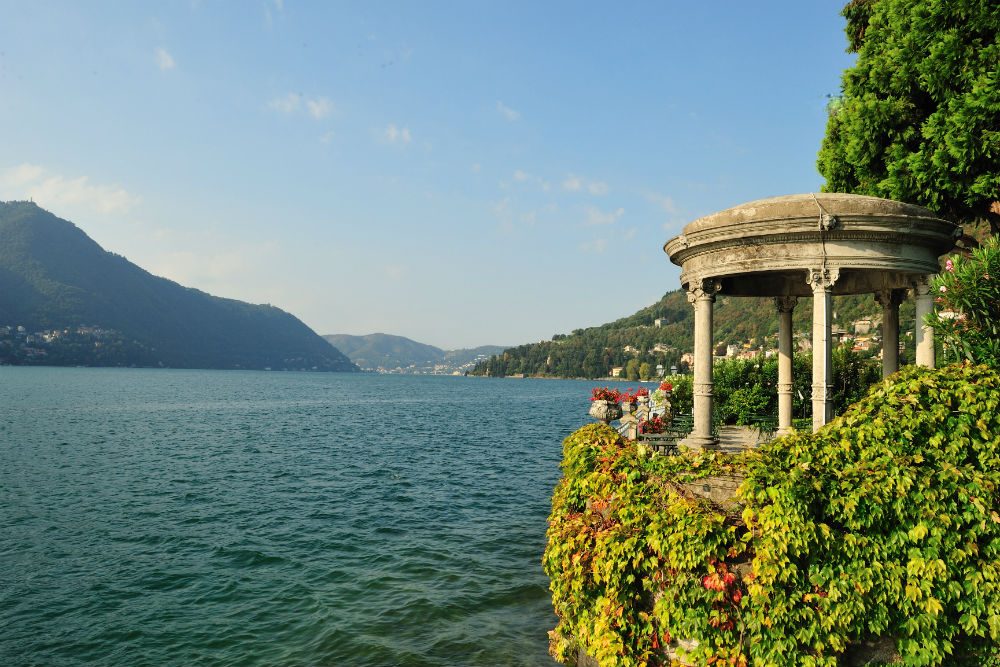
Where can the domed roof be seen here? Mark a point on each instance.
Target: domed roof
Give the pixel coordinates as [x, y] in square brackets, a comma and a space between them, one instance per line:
[808, 206]
[764, 247]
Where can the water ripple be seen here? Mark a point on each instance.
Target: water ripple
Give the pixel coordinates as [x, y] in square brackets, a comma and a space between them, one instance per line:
[243, 519]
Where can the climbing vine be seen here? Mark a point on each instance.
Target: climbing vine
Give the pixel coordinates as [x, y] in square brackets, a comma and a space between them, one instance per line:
[886, 523]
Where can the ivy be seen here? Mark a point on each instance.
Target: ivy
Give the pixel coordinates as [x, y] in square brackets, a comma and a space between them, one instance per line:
[885, 523]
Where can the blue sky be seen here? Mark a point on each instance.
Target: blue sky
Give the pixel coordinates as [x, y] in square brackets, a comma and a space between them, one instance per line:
[461, 173]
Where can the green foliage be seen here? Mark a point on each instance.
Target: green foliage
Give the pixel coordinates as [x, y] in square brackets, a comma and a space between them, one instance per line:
[746, 389]
[970, 288]
[853, 376]
[884, 523]
[593, 352]
[682, 395]
[627, 551]
[917, 119]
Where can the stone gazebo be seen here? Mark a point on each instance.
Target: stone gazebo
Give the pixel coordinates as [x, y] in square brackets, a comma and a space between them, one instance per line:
[816, 245]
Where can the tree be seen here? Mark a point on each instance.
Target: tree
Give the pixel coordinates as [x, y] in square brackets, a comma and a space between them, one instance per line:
[919, 115]
[632, 369]
[645, 371]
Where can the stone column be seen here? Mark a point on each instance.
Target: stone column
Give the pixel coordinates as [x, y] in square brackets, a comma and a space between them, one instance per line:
[785, 305]
[822, 281]
[702, 296]
[924, 335]
[890, 300]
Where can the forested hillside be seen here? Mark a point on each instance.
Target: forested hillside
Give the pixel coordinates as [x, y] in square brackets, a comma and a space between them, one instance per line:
[66, 300]
[593, 352]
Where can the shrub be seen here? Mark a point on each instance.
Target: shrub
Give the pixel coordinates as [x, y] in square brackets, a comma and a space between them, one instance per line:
[884, 523]
[968, 297]
[681, 397]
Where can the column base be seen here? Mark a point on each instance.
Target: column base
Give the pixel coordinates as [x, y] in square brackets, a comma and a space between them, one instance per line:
[700, 442]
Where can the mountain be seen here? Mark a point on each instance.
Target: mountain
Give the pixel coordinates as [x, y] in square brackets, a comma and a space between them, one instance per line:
[594, 351]
[65, 300]
[384, 352]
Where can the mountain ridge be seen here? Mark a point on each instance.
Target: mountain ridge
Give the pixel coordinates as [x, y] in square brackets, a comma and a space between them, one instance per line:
[390, 352]
[55, 278]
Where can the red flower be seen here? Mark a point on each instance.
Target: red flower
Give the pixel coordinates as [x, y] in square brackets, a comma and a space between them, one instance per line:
[605, 394]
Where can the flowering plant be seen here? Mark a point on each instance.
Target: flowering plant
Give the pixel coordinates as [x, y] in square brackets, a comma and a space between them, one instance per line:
[605, 394]
[666, 386]
[653, 425]
[641, 391]
[628, 396]
[968, 294]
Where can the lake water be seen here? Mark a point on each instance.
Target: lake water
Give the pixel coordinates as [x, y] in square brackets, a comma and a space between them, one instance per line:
[166, 517]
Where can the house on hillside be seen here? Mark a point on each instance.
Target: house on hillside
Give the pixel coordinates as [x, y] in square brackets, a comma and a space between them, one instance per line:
[617, 371]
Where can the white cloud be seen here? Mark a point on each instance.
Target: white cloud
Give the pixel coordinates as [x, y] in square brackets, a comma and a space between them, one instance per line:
[508, 113]
[596, 216]
[216, 271]
[394, 134]
[319, 107]
[574, 183]
[327, 137]
[664, 202]
[597, 188]
[522, 176]
[597, 246]
[286, 104]
[21, 175]
[57, 192]
[164, 60]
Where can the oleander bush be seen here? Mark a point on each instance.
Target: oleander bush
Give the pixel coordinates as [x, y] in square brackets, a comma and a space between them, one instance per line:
[886, 523]
[967, 292]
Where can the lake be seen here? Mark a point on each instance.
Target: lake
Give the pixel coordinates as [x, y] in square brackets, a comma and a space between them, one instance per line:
[175, 517]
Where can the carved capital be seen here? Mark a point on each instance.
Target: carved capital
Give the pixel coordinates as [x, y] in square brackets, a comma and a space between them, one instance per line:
[703, 290]
[890, 298]
[822, 392]
[823, 280]
[702, 389]
[785, 304]
[921, 286]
